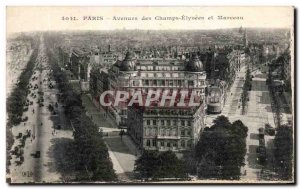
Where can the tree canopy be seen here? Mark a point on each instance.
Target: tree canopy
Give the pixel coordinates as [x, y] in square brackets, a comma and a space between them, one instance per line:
[154, 165]
[284, 152]
[221, 149]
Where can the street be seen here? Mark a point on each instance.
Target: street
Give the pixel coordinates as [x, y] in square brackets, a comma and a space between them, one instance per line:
[258, 113]
[40, 160]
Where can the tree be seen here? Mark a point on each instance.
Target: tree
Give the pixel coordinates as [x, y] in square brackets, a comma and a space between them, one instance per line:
[169, 166]
[221, 122]
[221, 149]
[147, 164]
[284, 152]
[208, 167]
[153, 164]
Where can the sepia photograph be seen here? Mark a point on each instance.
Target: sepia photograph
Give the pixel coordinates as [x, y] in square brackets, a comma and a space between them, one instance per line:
[150, 95]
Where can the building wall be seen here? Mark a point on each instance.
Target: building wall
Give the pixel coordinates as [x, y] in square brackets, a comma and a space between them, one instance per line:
[155, 130]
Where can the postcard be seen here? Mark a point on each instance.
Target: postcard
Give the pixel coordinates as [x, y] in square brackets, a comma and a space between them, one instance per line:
[143, 95]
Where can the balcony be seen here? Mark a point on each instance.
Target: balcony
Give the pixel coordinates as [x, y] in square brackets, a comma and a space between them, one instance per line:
[168, 137]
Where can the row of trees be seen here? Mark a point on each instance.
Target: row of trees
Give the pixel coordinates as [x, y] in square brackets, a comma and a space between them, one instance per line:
[221, 149]
[283, 153]
[91, 152]
[155, 165]
[17, 99]
[246, 87]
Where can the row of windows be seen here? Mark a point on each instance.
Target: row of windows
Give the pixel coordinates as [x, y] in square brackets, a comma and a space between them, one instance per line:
[166, 132]
[214, 99]
[168, 68]
[183, 144]
[168, 122]
[158, 82]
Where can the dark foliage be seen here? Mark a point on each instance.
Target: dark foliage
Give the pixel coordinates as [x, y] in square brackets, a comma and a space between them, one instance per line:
[155, 165]
[284, 152]
[221, 149]
[16, 101]
[246, 88]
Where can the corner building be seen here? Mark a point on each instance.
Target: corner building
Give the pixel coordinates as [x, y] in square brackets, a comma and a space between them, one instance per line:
[155, 127]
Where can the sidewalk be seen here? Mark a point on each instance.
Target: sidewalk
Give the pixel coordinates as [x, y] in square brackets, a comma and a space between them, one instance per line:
[97, 114]
[232, 102]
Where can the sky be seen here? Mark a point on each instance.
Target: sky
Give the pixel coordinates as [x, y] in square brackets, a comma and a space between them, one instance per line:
[23, 19]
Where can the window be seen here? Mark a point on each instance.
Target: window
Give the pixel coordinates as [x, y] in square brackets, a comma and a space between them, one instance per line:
[154, 131]
[168, 122]
[168, 144]
[146, 132]
[175, 144]
[189, 133]
[174, 132]
[182, 133]
[135, 83]
[189, 144]
[179, 82]
[162, 122]
[154, 143]
[174, 122]
[183, 143]
[167, 132]
[189, 123]
[148, 142]
[182, 122]
[148, 122]
[162, 132]
[162, 143]
[154, 122]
